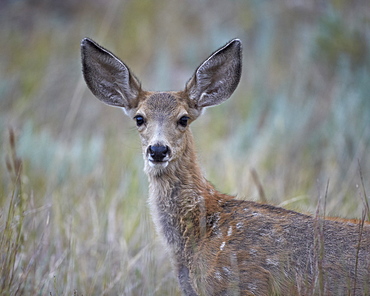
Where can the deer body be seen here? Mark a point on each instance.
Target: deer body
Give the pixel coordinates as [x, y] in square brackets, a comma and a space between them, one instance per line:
[220, 245]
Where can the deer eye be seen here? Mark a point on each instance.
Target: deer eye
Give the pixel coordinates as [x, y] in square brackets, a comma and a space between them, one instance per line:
[183, 121]
[139, 120]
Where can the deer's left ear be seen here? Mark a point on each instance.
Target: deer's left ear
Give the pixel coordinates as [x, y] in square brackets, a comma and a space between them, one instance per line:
[217, 77]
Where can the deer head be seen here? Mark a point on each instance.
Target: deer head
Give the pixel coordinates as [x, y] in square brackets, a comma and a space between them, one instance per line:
[162, 118]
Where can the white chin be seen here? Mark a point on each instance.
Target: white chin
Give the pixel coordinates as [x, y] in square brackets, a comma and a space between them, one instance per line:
[158, 165]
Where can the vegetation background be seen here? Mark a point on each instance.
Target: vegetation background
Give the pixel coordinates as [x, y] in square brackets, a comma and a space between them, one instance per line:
[73, 212]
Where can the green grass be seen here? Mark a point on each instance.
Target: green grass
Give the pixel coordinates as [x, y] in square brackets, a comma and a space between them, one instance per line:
[73, 213]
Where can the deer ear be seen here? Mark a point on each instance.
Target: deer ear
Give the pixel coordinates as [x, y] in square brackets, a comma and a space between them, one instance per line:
[217, 77]
[108, 78]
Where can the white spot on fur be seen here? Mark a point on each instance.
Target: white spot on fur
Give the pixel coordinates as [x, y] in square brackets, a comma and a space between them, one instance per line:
[271, 261]
[226, 270]
[215, 223]
[239, 225]
[279, 239]
[218, 275]
[222, 246]
[252, 287]
[253, 252]
[230, 231]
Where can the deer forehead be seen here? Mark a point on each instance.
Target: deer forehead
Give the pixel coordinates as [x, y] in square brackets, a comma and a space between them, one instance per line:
[163, 106]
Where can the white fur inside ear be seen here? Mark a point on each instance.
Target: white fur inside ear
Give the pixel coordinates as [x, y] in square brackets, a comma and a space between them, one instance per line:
[129, 112]
[125, 111]
[201, 99]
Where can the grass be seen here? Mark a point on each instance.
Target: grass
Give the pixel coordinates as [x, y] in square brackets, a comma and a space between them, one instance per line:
[12, 234]
[73, 213]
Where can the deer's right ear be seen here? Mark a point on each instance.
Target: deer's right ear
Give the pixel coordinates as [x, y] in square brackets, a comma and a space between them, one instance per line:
[108, 78]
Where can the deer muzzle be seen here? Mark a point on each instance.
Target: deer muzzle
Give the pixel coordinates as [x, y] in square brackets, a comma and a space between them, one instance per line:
[158, 154]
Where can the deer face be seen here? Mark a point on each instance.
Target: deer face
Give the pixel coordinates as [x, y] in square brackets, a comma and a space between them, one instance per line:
[162, 120]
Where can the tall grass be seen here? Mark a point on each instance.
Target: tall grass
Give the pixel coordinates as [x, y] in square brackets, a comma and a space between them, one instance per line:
[12, 235]
[73, 213]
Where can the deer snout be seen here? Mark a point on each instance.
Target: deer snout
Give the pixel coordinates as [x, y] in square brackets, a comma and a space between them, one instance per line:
[158, 153]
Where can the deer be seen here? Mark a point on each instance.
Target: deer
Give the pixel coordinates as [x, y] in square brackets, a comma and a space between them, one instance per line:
[218, 244]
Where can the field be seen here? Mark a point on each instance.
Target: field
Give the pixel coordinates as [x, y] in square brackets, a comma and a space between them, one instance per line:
[73, 213]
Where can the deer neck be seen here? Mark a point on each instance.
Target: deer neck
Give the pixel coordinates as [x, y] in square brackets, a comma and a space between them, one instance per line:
[177, 200]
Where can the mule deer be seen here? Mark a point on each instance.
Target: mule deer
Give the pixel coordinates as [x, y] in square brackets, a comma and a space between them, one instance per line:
[220, 245]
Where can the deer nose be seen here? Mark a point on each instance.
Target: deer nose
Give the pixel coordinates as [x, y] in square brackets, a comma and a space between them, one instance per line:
[158, 152]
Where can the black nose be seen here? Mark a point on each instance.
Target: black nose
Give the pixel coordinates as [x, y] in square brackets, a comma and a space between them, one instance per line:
[158, 152]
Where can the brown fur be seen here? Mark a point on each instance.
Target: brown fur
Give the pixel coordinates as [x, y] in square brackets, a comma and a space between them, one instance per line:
[220, 245]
